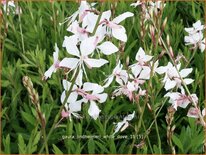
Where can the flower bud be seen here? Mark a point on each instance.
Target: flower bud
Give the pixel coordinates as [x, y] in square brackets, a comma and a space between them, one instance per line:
[164, 24]
[171, 52]
[168, 40]
[127, 61]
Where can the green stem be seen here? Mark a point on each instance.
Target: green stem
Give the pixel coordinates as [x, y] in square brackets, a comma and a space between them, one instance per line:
[137, 128]
[157, 114]
[147, 137]
[158, 135]
[46, 144]
[60, 110]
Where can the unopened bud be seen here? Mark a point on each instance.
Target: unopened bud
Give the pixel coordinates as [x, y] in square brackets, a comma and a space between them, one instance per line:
[141, 34]
[161, 54]
[164, 24]
[149, 107]
[127, 61]
[152, 31]
[171, 52]
[173, 128]
[160, 42]
[168, 40]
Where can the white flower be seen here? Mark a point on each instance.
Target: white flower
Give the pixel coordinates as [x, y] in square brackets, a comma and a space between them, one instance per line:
[196, 40]
[73, 96]
[178, 99]
[140, 69]
[141, 57]
[195, 37]
[81, 13]
[116, 30]
[120, 74]
[72, 106]
[121, 126]
[172, 77]
[126, 89]
[197, 27]
[81, 33]
[87, 47]
[107, 48]
[193, 112]
[55, 64]
[92, 92]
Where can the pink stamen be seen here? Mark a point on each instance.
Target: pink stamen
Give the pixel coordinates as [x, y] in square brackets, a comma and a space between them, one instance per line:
[91, 97]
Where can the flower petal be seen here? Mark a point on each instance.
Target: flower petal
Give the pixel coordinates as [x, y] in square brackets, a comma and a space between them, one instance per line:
[193, 112]
[108, 81]
[108, 48]
[88, 86]
[145, 73]
[87, 46]
[185, 72]
[169, 84]
[95, 62]
[119, 33]
[136, 69]
[70, 63]
[49, 72]
[70, 44]
[75, 106]
[188, 81]
[102, 97]
[122, 17]
[93, 110]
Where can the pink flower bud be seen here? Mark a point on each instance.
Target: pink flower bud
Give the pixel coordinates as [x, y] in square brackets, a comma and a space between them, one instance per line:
[65, 114]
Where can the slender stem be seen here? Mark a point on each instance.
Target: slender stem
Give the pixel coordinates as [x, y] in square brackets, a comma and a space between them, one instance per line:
[147, 137]
[46, 144]
[157, 114]
[60, 110]
[137, 128]
[158, 135]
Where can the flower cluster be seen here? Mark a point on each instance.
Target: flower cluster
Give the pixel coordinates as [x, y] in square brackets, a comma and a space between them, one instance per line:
[89, 46]
[85, 48]
[131, 80]
[195, 36]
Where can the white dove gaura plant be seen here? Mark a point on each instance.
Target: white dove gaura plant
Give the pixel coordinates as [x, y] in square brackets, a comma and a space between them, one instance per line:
[85, 48]
[95, 36]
